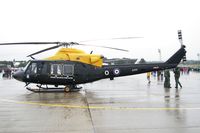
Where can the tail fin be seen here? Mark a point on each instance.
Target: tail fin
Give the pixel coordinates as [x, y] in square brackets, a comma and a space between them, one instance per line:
[176, 58]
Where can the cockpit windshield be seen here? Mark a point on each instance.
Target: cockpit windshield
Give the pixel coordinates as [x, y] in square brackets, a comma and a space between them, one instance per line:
[26, 65]
[32, 68]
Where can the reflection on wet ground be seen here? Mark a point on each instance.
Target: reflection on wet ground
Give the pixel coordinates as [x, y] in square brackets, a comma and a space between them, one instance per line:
[126, 104]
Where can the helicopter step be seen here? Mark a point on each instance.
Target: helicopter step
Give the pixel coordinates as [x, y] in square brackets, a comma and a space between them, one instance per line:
[67, 88]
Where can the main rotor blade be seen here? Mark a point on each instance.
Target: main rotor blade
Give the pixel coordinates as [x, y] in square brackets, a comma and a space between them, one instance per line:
[50, 48]
[105, 47]
[126, 37]
[54, 47]
[32, 43]
[110, 39]
[62, 44]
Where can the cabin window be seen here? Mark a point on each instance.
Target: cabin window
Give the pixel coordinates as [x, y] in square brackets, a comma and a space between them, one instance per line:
[68, 70]
[60, 69]
[56, 69]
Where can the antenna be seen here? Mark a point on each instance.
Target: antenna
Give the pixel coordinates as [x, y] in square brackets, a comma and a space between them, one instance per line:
[159, 52]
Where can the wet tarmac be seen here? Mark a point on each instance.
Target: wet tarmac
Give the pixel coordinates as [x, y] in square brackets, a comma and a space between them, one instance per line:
[123, 105]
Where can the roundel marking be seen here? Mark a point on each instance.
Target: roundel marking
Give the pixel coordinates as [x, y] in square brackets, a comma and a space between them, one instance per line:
[106, 72]
[116, 71]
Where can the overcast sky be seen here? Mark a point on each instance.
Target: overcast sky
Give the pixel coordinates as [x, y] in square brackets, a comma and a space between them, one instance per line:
[78, 20]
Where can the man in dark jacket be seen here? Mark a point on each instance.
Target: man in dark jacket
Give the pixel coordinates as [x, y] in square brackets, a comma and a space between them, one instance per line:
[167, 79]
[177, 76]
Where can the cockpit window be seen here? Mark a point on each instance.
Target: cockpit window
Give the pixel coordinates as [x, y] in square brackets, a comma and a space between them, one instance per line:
[26, 66]
[32, 68]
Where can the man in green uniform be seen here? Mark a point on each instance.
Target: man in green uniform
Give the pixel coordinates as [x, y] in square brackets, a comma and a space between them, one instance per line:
[167, 79]
[177, 76]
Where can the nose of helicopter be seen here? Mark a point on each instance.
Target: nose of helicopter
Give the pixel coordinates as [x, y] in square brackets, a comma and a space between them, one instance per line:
[19, 75]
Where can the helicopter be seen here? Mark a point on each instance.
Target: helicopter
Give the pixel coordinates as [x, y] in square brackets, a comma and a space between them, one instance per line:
[70, 67]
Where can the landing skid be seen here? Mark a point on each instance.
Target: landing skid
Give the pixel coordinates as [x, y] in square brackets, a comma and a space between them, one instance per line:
[68, 88]
[40, 90]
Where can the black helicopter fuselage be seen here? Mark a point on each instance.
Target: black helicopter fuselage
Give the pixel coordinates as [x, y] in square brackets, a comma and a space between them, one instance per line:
[59, 72]
[70, 72]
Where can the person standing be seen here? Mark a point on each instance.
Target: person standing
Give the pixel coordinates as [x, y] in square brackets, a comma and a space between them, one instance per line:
[177, 76]
[167, 79]
[158, 75]
[162, 75]
[1, 74]
[148, 77]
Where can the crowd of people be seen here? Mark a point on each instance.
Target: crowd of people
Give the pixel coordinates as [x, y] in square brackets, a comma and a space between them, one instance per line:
[165, 75]
[6, 73]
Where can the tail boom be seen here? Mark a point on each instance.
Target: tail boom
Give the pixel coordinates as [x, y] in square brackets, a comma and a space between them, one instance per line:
[125, 70]
[177, 57]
